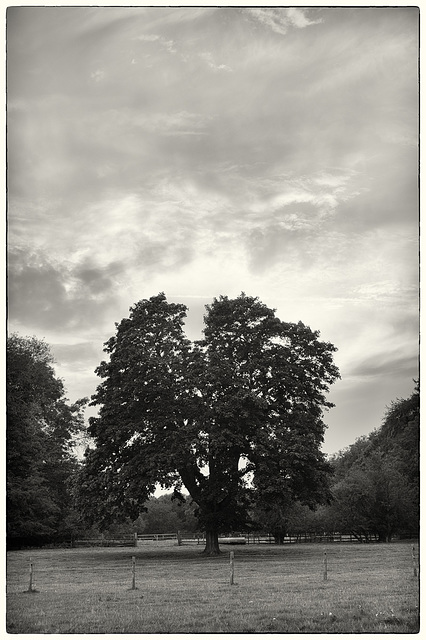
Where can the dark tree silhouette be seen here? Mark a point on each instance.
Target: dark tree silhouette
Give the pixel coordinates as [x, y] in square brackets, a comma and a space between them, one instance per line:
[41, 425]
[231, 417]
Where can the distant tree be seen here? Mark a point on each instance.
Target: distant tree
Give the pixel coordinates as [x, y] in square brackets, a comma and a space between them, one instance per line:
[167, 515]
[399, 436]
[373, 499]
[229, 417]
[349, 457]
[376, 486]
[394, 500]
[273, 520]
[297, 518]
[293, 519]
[39, 435]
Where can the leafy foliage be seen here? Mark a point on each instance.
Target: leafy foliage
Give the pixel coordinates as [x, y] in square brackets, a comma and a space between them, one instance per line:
[234, 417]
[40, 428]
[376, 488]
[165, 514]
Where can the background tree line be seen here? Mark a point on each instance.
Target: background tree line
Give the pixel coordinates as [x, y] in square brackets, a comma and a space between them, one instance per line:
[273, 422]
[41, 432]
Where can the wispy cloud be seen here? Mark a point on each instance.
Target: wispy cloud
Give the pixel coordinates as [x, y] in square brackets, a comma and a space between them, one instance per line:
[98, 75]
[169, 45]
[208, 57]
[281, 20]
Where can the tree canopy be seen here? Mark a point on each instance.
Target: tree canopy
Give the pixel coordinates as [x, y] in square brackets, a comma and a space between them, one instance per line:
[234, 418]
[376, 487]
[41, 425]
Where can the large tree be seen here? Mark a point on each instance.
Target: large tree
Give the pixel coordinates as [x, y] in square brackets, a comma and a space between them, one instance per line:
[41, 426]
[231, 417]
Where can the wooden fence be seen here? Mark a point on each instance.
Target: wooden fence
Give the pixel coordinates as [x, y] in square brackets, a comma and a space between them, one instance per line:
[137, 540]
[293, 538]
[178, 538]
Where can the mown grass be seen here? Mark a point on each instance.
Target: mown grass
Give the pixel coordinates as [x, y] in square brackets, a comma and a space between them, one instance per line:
[370, 589]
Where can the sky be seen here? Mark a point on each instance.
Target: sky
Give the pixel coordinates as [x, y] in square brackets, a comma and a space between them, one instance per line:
[206, 151]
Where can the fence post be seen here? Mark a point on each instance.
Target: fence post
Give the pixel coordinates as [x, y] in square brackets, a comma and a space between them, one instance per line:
[231, 564]
[325, 565]
[31, 588]
[179, 539]
[414, 562]
[133, 573]
[135, 539]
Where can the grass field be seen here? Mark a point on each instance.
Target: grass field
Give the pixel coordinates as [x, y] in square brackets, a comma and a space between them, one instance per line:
[369, 589]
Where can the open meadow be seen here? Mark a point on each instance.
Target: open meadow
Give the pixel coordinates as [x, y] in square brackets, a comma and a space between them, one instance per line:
[370, 588]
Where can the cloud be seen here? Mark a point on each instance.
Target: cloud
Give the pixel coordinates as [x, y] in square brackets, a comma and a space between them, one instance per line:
[281, 20]
[178, 122]
[148, 38]
[297, 17]
[98, 75]
[385, 364]
[93, 280]
[56, 294]
[208, 57]
[36, 290]
[169, 45]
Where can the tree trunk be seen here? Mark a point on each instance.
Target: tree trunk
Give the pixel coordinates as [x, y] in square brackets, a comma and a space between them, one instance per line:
[212, 543]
